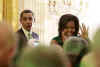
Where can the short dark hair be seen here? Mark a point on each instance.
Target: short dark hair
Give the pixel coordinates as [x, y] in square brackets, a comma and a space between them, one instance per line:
[25, 11]
[65, 19]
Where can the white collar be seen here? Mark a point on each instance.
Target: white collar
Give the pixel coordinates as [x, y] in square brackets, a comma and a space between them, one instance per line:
[25, 31]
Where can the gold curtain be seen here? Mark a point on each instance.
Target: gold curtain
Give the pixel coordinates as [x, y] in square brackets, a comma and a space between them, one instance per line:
[10, 13]
[1, 10]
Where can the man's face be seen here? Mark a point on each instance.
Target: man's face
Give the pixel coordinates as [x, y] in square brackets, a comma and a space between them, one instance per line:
[26, 21]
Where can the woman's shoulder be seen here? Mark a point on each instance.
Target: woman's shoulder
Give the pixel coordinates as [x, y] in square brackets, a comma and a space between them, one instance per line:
[56, 38]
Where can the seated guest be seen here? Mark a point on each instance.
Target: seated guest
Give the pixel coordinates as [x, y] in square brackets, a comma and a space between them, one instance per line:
[75, 48]
[8, 43]
[43, 56]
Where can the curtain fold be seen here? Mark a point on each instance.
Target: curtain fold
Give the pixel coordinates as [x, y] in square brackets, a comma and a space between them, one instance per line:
[1, 10]
[10, 13]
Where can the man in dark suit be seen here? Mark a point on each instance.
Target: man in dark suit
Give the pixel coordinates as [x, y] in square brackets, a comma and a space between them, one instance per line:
[25, 32]
[26, 20]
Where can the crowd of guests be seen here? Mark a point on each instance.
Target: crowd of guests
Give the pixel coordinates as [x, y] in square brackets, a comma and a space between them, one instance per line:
[69, 49]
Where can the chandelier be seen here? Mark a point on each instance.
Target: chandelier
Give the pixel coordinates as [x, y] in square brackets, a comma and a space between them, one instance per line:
[59, 7]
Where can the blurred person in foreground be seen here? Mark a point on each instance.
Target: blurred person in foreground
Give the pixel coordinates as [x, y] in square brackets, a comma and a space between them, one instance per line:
[96, 48]
[93, 58]
[69, 26]
[8, 44]
[19, 50]
[75, 48]
[43, 56]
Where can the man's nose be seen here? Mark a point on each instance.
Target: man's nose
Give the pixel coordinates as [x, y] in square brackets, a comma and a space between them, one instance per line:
[28, 21]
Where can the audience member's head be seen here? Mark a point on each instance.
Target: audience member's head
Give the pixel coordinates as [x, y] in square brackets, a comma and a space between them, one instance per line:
[8, 42]
[75, 48]
[43, 56]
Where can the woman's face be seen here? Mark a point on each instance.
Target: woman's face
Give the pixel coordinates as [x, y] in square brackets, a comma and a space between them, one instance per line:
[69, 29]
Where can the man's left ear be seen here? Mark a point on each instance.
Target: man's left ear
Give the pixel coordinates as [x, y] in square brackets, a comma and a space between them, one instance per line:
[20, 20]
